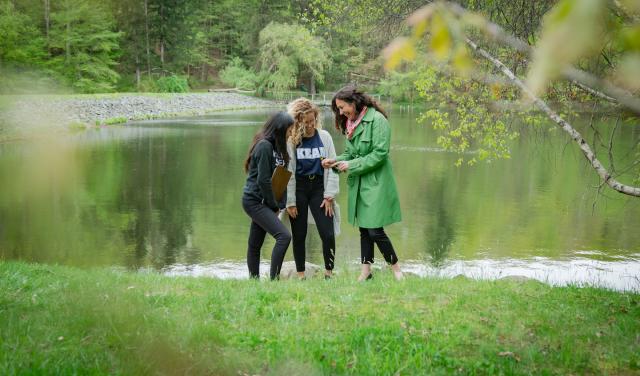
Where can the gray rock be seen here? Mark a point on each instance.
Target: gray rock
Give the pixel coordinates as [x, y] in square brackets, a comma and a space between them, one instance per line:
[288, 270]
[516, 278]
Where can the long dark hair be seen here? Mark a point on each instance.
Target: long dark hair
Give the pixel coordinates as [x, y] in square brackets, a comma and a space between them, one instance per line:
[275, 131]
[352, 95]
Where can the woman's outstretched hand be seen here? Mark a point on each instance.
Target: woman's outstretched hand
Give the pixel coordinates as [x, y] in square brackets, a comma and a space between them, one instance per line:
[293, 211]
[327, 204]
[328, 162]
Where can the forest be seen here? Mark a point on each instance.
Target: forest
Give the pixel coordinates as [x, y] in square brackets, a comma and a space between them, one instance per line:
[95, 46]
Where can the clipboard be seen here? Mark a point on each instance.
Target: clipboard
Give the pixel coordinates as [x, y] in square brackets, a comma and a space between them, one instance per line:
[279, 181]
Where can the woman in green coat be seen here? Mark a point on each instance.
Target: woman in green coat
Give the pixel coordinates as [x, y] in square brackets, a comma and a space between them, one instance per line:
[373, 197]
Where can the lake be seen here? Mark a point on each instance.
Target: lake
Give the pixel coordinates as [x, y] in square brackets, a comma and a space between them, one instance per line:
[164, 196]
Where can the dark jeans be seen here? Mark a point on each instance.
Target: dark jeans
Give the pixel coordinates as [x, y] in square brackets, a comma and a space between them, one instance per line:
[264, 220]
[309, 195]
[368, 236]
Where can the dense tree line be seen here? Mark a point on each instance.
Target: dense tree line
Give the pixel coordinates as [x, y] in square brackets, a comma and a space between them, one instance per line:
[98, 46]
[121, 45]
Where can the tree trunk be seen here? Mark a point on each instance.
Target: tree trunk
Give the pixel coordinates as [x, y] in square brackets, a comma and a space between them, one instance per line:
[137, 72]
[312, 85]
[68, 43]
[146, 27]
[162, 39]
[47, 21]
[204, 76]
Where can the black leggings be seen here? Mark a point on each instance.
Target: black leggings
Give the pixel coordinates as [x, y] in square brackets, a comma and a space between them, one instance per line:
[309, 195]
[264, 220]
[368, 236]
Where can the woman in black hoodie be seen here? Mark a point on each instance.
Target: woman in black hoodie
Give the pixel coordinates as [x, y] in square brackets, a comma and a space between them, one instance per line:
[268, 150]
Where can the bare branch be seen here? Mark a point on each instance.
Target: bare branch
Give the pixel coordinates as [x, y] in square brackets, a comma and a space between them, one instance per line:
[593, 92]
[606, 177]
[608, 90]
[612, 166]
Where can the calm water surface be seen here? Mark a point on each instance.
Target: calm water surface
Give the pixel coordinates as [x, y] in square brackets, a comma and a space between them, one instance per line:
[165, 195]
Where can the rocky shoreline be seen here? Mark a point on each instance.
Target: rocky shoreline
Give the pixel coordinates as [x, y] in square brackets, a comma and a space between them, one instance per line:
[111, 109]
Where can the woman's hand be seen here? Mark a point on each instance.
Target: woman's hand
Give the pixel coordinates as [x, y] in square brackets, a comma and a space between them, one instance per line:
[342, 166]
[293, 211]
[328, 162]
[327, 204]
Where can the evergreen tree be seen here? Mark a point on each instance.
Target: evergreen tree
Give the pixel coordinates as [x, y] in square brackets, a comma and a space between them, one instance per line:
[21, 43]
[84, 46]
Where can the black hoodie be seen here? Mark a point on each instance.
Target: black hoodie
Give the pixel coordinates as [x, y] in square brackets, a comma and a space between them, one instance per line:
[263, 161]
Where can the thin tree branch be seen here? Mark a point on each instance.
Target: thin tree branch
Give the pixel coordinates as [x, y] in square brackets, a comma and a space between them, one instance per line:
[606, 177]
[608, 91]
[596, 134]
[584, 80]
[611, 165]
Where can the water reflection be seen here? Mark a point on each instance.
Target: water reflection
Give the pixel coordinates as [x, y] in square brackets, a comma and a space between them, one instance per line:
[157, 194]
[439, 233]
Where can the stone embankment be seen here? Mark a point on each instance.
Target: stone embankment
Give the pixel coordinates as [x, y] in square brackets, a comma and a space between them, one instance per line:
[108, 109]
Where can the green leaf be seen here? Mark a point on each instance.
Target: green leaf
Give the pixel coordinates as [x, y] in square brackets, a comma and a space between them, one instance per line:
[573, 29]
[628, 72]
[440, 37]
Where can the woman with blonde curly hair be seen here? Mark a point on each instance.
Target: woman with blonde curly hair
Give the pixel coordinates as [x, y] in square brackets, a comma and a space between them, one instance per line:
[311, 187]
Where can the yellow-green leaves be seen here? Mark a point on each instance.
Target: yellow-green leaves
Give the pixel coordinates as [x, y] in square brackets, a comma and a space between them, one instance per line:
[461, 60]
[630, 38]
[419, 20]
[440, 41]
[573, 29]
[445, 39]
[401, 49]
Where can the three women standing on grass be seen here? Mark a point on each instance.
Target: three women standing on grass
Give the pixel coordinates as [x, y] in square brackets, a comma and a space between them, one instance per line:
[311, 188]
[373, 197]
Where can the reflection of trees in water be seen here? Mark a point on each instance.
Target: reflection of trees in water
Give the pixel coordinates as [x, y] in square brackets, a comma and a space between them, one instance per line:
[439, 232]
[439, 236]
[156, 191]
[313, 246]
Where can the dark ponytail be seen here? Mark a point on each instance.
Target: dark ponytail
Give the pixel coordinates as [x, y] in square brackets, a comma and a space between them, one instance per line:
[275, 131]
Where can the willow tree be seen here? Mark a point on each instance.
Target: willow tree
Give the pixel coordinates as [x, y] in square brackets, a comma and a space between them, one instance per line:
[571, 32]
[289, 53]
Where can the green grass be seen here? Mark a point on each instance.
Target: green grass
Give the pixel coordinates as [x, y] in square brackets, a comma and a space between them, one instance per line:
[61, 320]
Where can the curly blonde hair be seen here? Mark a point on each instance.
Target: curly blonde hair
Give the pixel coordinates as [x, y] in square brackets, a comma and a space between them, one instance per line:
[297, 109]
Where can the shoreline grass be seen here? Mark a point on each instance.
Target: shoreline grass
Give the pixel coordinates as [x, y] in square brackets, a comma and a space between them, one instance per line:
[61, 320]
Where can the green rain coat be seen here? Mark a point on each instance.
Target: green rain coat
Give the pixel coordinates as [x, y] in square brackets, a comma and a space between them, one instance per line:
[373, 197]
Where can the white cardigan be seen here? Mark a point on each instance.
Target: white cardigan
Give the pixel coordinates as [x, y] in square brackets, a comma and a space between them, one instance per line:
[331, 179]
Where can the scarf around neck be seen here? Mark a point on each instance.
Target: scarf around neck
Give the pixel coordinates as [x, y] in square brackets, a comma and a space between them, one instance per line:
[352, 125]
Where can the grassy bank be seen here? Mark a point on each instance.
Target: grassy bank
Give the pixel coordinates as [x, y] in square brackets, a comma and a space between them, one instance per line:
[61, 320]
